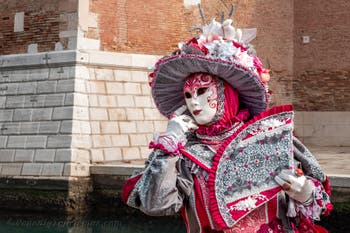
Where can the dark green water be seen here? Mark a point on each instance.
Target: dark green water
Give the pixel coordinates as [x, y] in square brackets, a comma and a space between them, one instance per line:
[122, 224]
[338, 222]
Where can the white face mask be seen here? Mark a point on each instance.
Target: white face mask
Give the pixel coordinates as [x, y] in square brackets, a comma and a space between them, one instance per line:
[201, 97]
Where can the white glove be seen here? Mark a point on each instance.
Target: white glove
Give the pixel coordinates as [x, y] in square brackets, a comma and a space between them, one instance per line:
[180, 125]
[175, 132]
[297, 187]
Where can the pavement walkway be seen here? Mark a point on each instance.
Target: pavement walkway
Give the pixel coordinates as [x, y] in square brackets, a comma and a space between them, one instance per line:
[333, 160]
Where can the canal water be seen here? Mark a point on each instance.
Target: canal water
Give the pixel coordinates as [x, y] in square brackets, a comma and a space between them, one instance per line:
[115, 224]
[338, 222]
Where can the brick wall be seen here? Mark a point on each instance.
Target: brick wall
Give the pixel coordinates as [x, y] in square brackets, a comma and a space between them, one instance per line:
[45, 24]
[156, 28]
[322, 72]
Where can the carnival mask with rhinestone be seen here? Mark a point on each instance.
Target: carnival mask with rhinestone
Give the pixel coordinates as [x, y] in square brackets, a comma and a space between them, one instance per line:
[201, 96]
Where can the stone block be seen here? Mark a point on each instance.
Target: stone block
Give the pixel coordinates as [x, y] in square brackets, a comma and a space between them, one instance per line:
[134, 114]
[53, 169]
[11, 169]
[132, 88]
[46, 87]
[122, 75]
[10, 128]
[54, 100]
[98, 114]
[99, 141]
[9, 89]
[31, 169]
[15, 101]
[121, 140]
[114, 88]
[88, 44]
[93, 100]
[82, 72]
[81, 99]
[144, 61]
[146, 89]
[67, 127]
[80, 156]
[65, 85]
[80, 86]
[109, 127]
[81, 113]
[6, 115]
[112, 154]
[69, 99]
[92, 73]
[29, 128]
[127, 127]
[36, 74]
[145, 152]
[144, 126]
[27, 88]
[95, 127]
[67, 34]
[131, 153]
[81, 141]
[138, 140]
[62, 113]
[152, 114]
[59, 73]
[24, 156]
[59, 141]
[22, 114]
[117, 114]
[76, 169]
[7, 156]
[42, 114]
[104, 74]
[85, 127]
[107, 101]
[125, 101]
[97, 87]
[34, 100]
[16, 142]
[3, 141]
[139, 76]
[97, 156]
[36, 141]
[2, 101]
[160, 126]
[44, 155]
[150, 137]
[49, 127]
[63, 155]
[143, 101]
[108, 58]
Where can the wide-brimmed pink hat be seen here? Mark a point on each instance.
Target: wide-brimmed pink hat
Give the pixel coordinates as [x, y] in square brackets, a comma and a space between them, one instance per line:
[220, 50]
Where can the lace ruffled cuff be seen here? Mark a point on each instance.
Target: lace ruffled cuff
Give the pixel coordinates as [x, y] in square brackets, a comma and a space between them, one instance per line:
[169, 144]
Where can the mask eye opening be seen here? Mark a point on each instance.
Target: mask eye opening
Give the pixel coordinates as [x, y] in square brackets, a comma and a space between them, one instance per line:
[201, 91]
[188, 95]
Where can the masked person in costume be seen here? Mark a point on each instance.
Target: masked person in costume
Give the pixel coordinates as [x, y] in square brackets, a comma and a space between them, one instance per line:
[226, 162]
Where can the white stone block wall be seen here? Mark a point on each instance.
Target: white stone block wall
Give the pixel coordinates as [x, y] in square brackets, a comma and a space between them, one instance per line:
[36, 104]
[122, 115]
[323, 128]
[60, 112]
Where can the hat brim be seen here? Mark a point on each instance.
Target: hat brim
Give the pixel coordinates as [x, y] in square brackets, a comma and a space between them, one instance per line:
[171, 72]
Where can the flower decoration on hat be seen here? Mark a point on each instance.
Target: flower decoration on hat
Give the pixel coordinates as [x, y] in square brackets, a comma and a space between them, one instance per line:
[222, 50]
